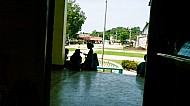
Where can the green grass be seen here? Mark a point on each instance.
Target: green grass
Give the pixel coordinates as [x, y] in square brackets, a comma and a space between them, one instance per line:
[114, 53]
[120, 53]
[73, 49]
[114, 48]
[116, 61]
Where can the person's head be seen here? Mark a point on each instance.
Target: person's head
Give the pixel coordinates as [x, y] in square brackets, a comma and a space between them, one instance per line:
[77, 51]
[145, 57]
[90, 45]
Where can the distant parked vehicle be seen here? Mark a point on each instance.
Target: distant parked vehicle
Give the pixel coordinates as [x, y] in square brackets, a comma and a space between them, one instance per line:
[67, 42]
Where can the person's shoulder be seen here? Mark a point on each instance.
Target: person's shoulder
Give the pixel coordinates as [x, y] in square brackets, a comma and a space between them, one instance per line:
[90, 51]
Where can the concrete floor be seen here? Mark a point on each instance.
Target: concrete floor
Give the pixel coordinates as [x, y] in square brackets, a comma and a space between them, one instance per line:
[88, 88]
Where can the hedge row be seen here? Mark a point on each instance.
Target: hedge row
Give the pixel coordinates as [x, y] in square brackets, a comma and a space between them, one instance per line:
[129, 65]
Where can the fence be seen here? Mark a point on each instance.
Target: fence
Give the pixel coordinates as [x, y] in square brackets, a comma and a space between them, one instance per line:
[110, 66]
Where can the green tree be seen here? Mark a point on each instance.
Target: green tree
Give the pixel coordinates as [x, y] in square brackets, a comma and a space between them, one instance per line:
[121, 33]
[134, 32]
[75, 18]
[96, 33]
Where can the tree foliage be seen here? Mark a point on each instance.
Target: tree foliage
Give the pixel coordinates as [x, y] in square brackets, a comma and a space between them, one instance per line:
[96, 33]
[134, 32]
[75, 18]
[122, 33]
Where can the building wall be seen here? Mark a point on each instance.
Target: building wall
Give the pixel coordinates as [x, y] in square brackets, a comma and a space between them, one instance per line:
[59, 34]
[141, 41]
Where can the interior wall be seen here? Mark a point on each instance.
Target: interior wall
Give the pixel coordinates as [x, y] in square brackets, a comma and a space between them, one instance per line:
[22, 51]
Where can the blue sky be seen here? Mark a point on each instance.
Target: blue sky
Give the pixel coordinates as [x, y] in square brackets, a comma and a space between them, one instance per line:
[120, 13]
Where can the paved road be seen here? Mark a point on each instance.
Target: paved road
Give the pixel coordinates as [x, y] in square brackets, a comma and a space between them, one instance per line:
[107, 48]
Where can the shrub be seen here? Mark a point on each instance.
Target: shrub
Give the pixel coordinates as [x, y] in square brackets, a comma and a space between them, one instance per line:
[129, 65]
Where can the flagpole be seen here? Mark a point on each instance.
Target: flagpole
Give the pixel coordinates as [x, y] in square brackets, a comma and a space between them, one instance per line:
[103, 41]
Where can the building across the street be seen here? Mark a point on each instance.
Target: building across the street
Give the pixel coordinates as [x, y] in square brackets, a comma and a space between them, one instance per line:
[87, 38]
[142, 40]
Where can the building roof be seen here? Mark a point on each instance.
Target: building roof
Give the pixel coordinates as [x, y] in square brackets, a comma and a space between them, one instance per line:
[88, 37]
[145, 29]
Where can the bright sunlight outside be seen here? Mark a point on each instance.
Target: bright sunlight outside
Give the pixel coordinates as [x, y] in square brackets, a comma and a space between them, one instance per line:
[123, 24]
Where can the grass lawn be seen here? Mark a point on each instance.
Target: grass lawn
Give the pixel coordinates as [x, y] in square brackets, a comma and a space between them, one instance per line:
[73, 49]
[114, 48]
[114, 53]
[116, 61]
[120, 53]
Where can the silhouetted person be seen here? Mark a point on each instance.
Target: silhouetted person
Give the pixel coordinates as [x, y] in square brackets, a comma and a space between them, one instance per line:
[88, 59]
[75, 61]
[95, 62]
[66, 65]
[141, 67]
[66, 53]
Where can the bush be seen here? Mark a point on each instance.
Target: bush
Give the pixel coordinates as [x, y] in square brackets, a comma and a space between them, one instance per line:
[129, 65]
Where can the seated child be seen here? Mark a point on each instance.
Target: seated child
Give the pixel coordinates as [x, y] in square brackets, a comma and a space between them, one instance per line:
[66, 65]
[141, 67]
[87, 65]
[75, 61]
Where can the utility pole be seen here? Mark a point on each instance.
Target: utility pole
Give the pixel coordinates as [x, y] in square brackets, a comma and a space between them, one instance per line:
[130, 35]
[116, 36]
[104, 35]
